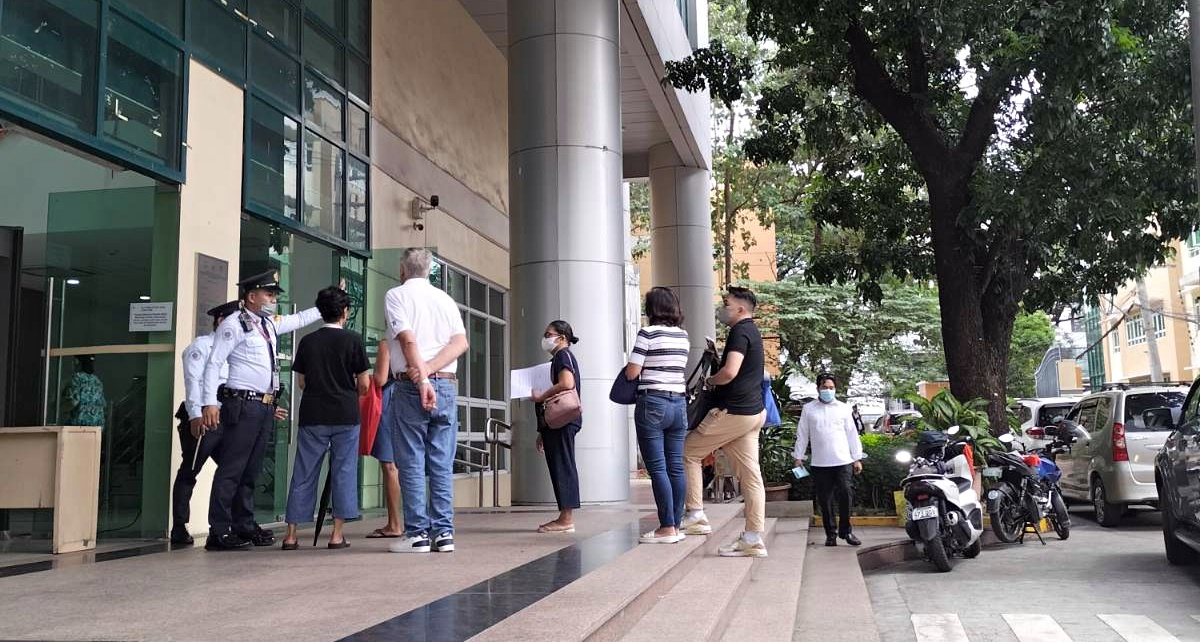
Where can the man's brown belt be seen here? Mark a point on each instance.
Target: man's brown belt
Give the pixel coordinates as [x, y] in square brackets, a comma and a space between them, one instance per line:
[448, 376]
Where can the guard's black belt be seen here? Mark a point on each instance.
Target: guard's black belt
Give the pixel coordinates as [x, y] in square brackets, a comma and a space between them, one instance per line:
[246, 395]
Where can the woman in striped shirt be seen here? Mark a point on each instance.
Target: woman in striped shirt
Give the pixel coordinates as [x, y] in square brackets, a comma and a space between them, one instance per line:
[659, 361]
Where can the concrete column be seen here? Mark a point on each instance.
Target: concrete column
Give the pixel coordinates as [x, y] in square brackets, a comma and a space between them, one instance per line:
[567, 243]
[681, 245]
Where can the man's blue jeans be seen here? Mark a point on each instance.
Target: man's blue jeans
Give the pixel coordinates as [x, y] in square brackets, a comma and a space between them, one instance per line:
[661, 422]
[425, 444]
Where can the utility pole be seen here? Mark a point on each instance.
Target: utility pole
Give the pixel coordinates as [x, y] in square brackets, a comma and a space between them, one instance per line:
[1194, 42]
[1156, 373]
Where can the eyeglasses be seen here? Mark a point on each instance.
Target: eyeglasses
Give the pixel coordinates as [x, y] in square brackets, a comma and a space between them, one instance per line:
[548, 335]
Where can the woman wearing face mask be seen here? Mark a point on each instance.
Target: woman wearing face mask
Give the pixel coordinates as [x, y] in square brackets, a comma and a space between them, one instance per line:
[559, 444]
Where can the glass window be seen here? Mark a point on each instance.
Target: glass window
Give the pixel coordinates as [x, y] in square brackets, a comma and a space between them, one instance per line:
[359, 32]
[358, 209]
[360, 133]
[272, 160]
[331, 12]
[464, 370]
[477, 336]
[1160, 325]
[324, 180]
[279, 19]
[166, 13]
[496, 304]
[1193, 243]
[456, 285]
[219, 37]
[275, 73]
[1136, 404]
[1135, 332]
[323, 106]
[141, 102]
[359, 77]
[478, 296]
[324, 54]
[48, 54]
[496, 368]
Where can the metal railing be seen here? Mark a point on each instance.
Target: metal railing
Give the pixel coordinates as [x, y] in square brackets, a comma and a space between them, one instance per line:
[481, 467]
[491, 435]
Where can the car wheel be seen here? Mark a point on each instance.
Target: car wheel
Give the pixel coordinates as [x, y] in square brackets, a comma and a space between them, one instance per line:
[1107, 515]
[1178, 553]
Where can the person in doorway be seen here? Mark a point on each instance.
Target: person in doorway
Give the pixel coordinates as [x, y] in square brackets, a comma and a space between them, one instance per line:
[191, 425]
[558, 445]
[659, 363]
[244, 409]
[733, 424]
[828, 426]
[384, 449]
[333, 371]
[85, 394]
[428, 337]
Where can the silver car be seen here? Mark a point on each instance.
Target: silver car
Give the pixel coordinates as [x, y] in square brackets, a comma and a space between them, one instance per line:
[1113, 445]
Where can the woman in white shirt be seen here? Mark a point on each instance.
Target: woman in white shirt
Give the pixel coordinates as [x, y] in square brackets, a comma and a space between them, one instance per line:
[659, 362]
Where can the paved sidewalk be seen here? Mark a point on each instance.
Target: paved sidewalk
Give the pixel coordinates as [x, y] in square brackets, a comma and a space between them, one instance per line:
[834, 603]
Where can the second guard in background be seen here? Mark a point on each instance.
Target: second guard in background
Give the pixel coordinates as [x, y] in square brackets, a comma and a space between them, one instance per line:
[244, 410]
[191, 425]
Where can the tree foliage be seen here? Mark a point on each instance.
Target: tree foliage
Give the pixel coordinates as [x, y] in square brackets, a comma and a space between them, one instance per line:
[1033, 334]
[1026, 153]
[830, 328]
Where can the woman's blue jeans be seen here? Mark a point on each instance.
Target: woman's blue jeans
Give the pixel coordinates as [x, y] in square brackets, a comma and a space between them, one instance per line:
[661, 421]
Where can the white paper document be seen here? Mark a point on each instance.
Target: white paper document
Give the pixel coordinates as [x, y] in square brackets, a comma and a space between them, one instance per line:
[522, 383]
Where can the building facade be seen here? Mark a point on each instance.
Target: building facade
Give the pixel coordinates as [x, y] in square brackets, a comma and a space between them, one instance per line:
[153, 151]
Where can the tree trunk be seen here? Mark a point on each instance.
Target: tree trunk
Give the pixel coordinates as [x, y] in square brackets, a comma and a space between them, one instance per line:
[727, 195]
[976, 325]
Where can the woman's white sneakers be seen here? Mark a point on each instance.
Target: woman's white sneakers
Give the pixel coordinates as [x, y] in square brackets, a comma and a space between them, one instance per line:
[651, 538]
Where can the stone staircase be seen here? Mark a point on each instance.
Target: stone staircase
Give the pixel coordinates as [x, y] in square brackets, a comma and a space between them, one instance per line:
[655, 592]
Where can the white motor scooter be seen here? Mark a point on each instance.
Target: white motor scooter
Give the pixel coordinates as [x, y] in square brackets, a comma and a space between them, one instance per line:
[945, 517]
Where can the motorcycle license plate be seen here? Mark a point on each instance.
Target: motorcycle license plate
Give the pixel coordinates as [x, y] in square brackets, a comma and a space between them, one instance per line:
[924, 512]
[992, 472]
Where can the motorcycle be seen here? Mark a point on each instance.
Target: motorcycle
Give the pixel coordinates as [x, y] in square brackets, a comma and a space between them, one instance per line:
[945, 517]
[1024, 491]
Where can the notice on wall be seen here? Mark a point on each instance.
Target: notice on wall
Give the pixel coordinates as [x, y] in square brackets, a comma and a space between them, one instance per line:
[212, 287]
[151, 317]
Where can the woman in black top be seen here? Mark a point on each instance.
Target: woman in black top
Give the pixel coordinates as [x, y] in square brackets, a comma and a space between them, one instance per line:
[559, 444]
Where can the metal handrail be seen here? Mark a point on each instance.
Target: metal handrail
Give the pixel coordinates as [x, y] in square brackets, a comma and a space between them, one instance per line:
[481, 467]
[491, 435]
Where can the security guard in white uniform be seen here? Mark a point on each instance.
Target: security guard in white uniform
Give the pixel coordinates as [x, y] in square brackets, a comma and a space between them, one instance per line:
[244, 409]
[195, 356]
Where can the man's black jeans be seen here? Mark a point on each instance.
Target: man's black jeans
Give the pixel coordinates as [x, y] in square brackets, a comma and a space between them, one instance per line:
[833, 483]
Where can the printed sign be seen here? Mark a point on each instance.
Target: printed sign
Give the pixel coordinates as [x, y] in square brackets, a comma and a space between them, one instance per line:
[151, 317]
[212, 289]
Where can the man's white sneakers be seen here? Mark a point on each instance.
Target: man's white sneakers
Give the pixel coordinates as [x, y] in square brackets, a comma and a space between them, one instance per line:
[696, 525]
[741, 548]
[418, 543]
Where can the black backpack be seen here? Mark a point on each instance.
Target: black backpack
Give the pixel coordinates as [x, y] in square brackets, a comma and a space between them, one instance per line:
[700, 398]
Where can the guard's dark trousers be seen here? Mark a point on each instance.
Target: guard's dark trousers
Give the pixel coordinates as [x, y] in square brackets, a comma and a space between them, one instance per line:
[245, 428]
[833, 483]
[185, 477]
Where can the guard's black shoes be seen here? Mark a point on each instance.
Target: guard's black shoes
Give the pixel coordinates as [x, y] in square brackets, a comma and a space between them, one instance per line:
[831, 541]
[852, 540]
[180, 537]
[259, 536]
[225, 542]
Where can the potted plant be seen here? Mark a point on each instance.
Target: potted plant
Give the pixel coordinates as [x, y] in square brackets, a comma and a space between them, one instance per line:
[775, 460]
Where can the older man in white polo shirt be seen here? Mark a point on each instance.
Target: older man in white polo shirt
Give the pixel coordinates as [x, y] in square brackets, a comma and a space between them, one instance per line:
[427, 336]
[836, 454]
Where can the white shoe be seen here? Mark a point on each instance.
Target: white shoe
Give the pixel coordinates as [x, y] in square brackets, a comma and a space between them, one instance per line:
[651, 538]
[444, 543]
[415, 544]
[741, 548]
[696, 526]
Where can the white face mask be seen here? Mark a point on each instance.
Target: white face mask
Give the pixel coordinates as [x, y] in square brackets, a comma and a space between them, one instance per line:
[549, 344]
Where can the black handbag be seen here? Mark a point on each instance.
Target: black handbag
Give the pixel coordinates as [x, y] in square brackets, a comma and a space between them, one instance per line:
[624, 391]
[701, 398]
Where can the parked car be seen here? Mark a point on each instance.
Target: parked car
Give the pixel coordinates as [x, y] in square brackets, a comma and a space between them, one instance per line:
[1112, 447]
[1039, 413]
[893, 423]
[1177, 476]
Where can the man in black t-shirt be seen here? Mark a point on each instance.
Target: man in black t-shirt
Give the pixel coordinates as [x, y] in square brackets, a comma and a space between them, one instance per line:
[733, 425]
[333, 371]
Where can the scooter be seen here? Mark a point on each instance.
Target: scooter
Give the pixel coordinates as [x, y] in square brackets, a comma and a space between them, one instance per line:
[945, 517]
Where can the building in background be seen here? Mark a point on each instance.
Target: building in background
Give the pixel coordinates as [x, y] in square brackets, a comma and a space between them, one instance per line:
[152, 151]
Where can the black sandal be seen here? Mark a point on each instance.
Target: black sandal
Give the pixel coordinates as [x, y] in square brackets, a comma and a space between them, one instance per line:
[290, 546]
[341, 544]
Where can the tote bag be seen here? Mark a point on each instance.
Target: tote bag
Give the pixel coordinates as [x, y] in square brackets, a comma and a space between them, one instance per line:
[370, 409]
[564, 407]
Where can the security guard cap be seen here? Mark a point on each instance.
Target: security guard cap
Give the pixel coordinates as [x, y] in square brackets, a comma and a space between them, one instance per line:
[268, 280]
[224, 310]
